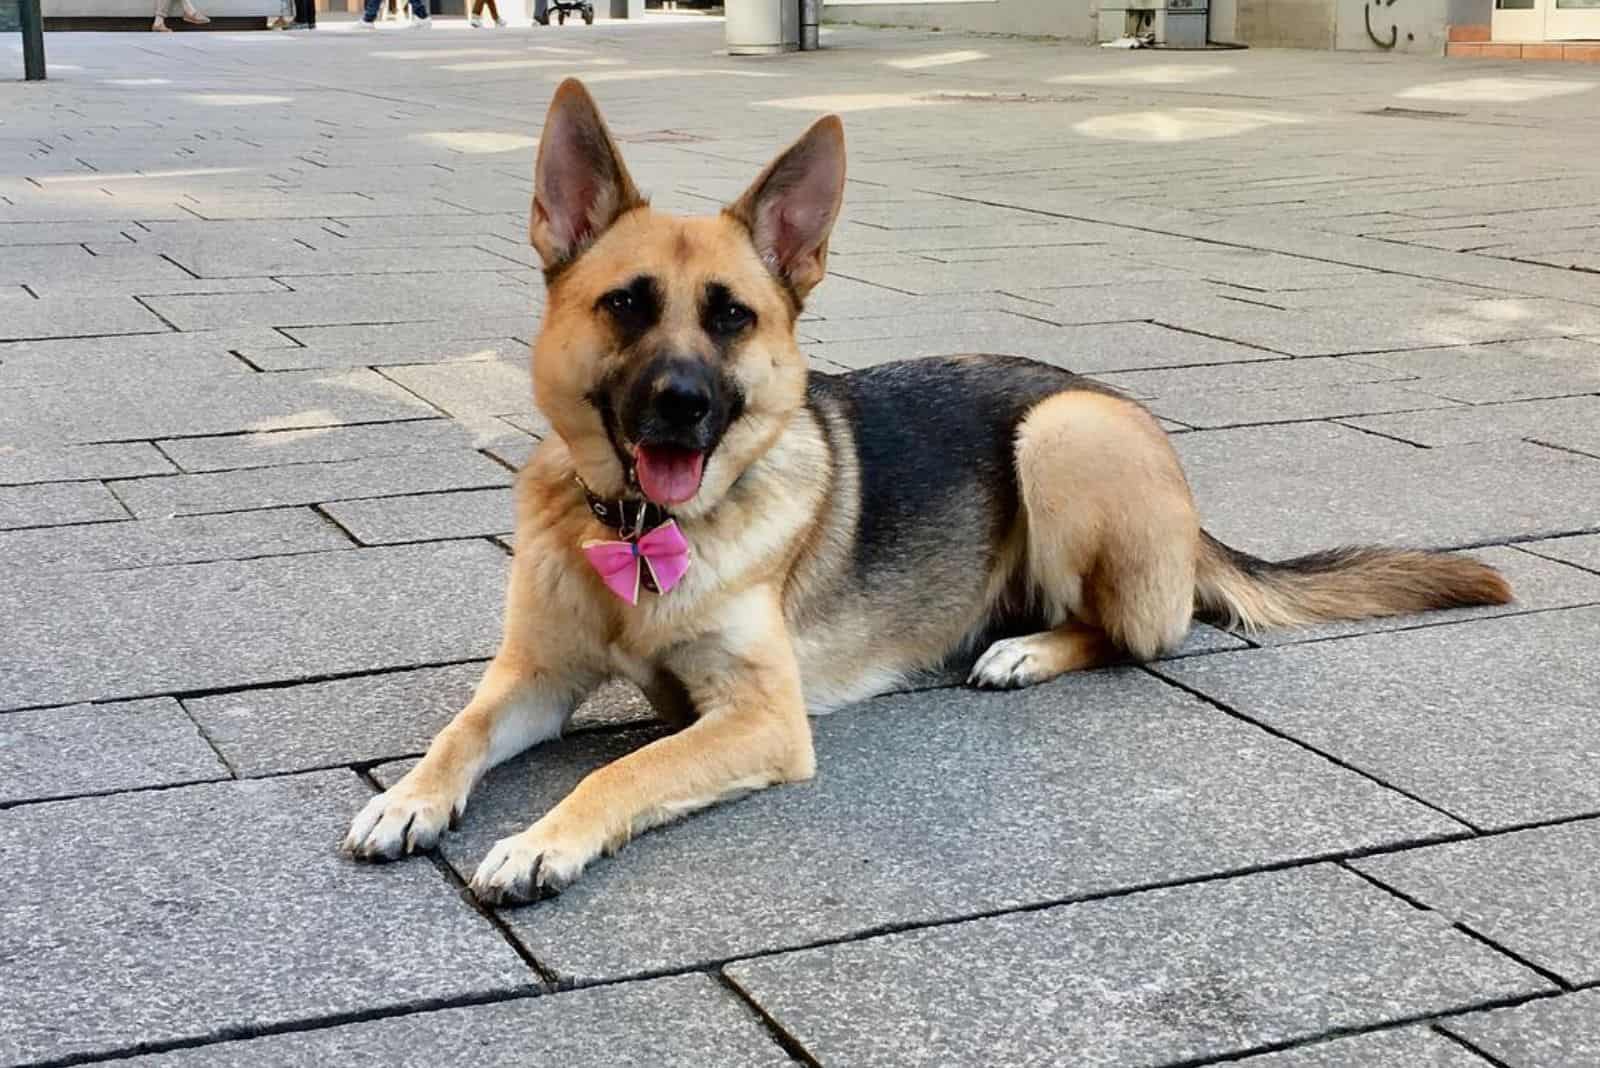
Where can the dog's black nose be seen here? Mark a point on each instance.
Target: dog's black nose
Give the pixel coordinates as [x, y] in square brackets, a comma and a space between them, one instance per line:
[682, 398]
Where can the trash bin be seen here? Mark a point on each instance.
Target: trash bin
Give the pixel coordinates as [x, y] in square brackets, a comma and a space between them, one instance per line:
[762, 27]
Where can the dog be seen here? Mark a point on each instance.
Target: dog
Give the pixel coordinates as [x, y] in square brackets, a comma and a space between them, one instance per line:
[750, 542]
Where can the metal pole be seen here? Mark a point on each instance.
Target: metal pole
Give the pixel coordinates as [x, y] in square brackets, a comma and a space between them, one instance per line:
[32, 40]
[810, 16]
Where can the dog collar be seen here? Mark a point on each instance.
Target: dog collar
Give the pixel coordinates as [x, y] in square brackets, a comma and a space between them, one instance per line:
[652, 555]
[630, 518]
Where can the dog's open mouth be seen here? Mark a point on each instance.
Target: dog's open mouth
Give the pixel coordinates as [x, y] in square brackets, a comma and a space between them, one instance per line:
[669, 474]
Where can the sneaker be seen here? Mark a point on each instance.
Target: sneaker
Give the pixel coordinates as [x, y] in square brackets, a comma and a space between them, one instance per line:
[475, 22]
[364, 24]
[500, 23]
[421, 24]
[543, 20]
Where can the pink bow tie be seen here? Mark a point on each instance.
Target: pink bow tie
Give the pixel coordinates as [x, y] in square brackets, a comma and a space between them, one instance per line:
[664, 551]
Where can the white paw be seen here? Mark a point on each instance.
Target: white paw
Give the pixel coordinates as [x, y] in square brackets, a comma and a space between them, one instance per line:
[400, 821]
[1008, 664]
[528, 866]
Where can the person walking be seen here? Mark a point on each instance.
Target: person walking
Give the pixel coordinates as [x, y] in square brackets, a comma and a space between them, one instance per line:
[190, 15]
[419, 15]
[477, 13]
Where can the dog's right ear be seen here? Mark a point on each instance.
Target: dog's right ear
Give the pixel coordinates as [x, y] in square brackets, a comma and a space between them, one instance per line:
[580, 185]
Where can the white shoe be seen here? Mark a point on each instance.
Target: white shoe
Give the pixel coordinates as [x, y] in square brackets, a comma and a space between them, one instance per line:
[475, 22]
[363, 24]
[421, 24]
[500, 23]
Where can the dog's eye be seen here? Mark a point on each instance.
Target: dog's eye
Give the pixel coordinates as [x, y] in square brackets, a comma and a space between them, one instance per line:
[731, 318]
[619, 302]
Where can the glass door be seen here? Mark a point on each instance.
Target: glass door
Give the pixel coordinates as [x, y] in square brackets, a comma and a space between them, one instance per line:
[1546, 20]
[1572, 20]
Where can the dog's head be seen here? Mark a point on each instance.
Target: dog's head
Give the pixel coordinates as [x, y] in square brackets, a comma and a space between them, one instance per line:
[667, 360]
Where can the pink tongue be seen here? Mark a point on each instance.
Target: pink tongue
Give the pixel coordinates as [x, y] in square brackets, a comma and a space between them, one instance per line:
[669, 475]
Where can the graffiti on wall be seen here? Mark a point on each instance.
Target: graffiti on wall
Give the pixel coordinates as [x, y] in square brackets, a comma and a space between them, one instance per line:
[1385, 16]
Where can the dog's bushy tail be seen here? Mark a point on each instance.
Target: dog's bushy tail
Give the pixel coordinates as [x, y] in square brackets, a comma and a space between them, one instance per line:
[1236, 589]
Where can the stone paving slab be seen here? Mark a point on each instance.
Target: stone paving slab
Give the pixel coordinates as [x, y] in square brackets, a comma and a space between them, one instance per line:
[1345, 486]
[229, 452]
[194, 912]
[409, 342]
[88, 749]
[1412, 1047]
[471, 387]
[1255, 375]
[1536, 892]
[90, 411]
[1562, 421]
[52, 503]
[1133, 346]
[1530, 370]
[138, 358]
[153, 542]
[1157, 977]
[1539, 586]
[120, 460]
[64, 316]
[1583, 550]
[1228, 408]
[1477, 718]
[1559, 1032]
[271, 487]
[365, 719]
[199, 626]
[683, 1022]
[378, 355]
[388, 520]
[1143, 784]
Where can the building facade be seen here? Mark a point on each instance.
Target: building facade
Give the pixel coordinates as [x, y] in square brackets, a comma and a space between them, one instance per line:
[1420, 26]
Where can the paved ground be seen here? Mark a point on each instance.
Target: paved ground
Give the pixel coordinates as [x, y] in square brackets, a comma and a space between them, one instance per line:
[264, 304]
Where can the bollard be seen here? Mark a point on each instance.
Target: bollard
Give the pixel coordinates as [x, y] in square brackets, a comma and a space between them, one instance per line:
[32, 40]
[810, 16]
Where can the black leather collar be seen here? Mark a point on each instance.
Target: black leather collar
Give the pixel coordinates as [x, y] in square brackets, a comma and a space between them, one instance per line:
[628, 517]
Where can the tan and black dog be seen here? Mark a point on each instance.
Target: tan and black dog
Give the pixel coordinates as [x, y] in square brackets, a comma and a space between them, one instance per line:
[845, 532]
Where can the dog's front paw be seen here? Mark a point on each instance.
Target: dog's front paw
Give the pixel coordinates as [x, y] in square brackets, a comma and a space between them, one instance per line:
[400, 821]
[528, 866]
[1009, 664]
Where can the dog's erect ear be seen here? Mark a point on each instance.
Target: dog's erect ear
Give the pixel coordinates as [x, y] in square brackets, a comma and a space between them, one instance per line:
[791, 208]
[579, 183]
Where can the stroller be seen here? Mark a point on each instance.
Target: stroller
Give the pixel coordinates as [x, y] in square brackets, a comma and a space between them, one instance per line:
[562, 8]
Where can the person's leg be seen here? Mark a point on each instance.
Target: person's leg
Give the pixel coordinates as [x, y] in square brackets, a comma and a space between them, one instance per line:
[494, 11]
[541, 13]
[419, 9]
[369, 13]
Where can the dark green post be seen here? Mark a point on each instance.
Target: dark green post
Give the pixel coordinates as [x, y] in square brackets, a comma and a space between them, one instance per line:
[32, 40]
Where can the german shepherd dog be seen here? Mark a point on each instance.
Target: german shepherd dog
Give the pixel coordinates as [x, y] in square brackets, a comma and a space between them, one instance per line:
[812, 539]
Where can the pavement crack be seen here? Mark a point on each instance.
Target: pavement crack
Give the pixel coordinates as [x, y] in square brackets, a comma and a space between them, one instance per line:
[787, 1042]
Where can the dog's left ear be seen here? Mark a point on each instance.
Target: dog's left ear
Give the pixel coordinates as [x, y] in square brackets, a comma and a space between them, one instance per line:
[580, 185]
[791, 208]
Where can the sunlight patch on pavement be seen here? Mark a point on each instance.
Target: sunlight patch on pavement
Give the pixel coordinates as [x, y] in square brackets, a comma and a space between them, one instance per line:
[476, 142]
[842, 102]
[1180, 124]
[1160, 74]
[134, 176]
[236, 100]
[937, 59]
[528, 64]
[674, 72]
[1495, 90]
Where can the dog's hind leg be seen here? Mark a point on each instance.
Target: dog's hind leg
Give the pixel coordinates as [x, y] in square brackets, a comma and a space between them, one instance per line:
[1112, 539]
